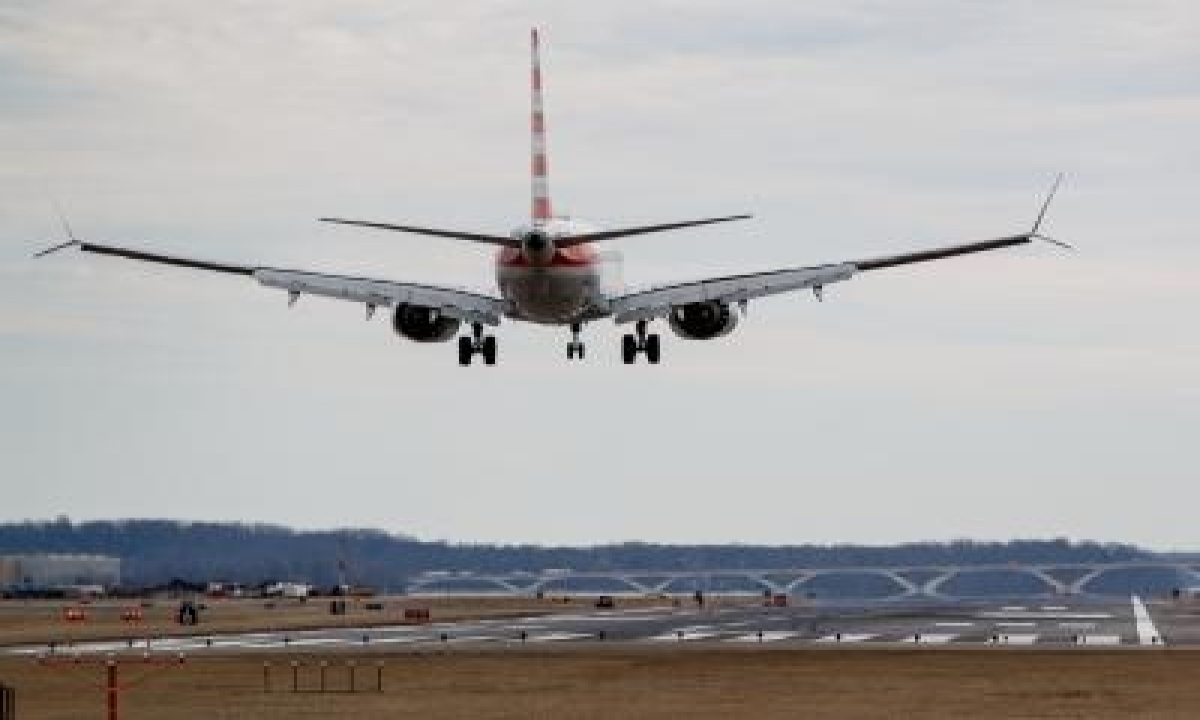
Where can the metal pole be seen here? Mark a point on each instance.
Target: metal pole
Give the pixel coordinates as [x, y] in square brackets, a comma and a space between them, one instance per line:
[379, 676]
[113, 691]
[266, 677]
[351, 676]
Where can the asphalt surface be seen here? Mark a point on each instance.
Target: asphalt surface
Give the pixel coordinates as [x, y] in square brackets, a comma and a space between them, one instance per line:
[1059, 624]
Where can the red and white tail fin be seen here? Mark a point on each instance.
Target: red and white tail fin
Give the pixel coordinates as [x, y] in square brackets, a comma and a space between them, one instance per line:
[541, 183]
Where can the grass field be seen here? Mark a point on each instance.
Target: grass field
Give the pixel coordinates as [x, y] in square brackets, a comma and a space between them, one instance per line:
[615, 681]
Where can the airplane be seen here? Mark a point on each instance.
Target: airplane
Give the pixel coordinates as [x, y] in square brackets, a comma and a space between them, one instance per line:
[549, 272]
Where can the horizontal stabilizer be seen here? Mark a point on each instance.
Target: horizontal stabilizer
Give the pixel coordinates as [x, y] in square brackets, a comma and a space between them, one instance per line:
[436, 232]
[642, 230]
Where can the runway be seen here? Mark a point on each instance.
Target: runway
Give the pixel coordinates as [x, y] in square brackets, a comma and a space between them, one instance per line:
[1060, 624]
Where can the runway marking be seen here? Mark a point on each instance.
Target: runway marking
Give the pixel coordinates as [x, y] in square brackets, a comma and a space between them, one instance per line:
[1045, 616]
[955, 624]
[1013, 608]
[253, 645]
[1054, 608]
[1016, 624]
[559, 636]
[847, 637]
[1018, 639]
[528, 627]
[766, 636]
[1101, 640]
[700, 632]
[301, 642]
[474, 638]
[931, 638]
[397, 639]
[1077, 625]
[1147, 633]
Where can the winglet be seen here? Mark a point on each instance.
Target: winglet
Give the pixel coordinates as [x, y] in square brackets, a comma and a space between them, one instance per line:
[1035, 232]
[71, 241]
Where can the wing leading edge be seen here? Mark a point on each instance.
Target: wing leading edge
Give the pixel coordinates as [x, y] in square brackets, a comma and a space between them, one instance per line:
[460, 304]
[658, 302]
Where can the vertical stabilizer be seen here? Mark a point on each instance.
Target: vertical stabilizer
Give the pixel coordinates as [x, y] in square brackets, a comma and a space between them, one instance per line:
[541, 185]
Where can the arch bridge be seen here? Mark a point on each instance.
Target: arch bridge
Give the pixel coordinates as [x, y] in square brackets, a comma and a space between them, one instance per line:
[949, 582]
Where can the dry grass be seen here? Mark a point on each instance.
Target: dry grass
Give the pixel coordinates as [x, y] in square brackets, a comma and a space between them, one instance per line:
[627, 681]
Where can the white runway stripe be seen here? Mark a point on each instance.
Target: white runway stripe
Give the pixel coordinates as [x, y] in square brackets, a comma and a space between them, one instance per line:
[1035, 615]
[767, 636]
[847, 637]
[1147, 633]
[1101, 640]
[397, 639]
[683, 634]
[955, 624]
[931, 638]
[559, 636]
[1018, 639]
[302, 642]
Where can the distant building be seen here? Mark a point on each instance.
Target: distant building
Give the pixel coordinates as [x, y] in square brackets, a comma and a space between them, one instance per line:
[42, 572]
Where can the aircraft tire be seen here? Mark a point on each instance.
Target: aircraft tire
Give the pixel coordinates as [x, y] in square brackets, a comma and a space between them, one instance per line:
[653, 349]
[629, 348]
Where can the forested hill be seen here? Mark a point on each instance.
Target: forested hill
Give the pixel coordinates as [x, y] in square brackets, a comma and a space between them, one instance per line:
[156, 551]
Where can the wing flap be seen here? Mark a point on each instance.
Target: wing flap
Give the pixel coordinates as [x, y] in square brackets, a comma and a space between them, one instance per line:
[461, 304]
[658, 302]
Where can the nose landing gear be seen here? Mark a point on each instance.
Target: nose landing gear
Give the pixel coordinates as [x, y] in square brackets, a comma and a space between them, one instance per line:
[575, 348]
[484, 345]
[632, 344]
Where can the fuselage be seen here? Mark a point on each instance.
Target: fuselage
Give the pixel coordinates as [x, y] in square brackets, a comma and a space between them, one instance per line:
[550, 285]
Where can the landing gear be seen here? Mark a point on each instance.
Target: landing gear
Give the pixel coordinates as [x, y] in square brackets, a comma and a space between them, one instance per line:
[575, 348]
[632, 344]
[485, 345]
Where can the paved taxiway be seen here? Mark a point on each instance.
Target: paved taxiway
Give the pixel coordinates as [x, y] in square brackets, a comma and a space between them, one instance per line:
[1048, 623]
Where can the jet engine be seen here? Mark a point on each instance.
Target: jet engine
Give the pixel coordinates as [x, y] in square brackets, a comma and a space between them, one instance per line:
[703, 320]
[424, 324]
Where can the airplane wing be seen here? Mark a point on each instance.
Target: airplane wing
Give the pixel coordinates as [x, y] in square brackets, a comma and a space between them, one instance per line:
[460, 304]
[658, 302]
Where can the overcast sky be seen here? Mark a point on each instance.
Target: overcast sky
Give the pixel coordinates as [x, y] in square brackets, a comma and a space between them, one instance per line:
[1027, 393]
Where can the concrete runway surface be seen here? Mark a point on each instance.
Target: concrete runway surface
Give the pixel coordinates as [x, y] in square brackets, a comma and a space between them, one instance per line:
[1019, 623]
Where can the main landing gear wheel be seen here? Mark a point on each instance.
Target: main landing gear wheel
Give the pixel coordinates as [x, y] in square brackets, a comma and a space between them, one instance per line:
[484, 345]
[575, 350]
[632, 344]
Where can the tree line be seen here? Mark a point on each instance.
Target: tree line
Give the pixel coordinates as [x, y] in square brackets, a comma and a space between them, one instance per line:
[155, 552]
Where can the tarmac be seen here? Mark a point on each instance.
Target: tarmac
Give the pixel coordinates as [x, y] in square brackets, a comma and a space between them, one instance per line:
[1055, 623]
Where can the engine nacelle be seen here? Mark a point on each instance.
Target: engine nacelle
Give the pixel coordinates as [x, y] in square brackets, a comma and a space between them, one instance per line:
[424, 324]
[703, 320]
